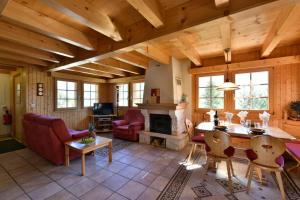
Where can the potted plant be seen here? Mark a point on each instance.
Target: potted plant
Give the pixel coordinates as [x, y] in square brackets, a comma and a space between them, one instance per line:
[295, 106]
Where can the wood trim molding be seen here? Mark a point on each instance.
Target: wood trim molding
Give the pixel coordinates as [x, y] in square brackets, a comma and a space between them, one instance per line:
[255, 64]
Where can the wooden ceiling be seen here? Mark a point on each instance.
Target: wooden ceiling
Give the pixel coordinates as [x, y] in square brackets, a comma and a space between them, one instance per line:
[116, 38]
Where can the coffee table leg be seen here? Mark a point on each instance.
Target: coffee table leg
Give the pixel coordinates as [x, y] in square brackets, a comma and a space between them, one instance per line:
[110, 151]
[67, 159]
[83, 164]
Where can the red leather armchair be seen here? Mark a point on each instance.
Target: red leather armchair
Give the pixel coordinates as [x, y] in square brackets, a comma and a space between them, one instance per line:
[46, 136]
[129, 127]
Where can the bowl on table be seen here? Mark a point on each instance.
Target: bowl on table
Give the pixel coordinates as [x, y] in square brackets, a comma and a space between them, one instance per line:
[257, 131]
[221, 128]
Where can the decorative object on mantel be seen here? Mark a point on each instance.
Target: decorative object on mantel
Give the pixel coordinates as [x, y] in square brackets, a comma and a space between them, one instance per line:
[40, 89]
[295, 108]
[211, 114]
[183, 98]
[264, 117]
[227, 85]
[242, 115]
[155, 96]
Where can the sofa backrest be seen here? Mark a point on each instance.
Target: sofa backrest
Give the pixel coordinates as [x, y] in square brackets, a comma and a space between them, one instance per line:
[57, 125]
[134, 115]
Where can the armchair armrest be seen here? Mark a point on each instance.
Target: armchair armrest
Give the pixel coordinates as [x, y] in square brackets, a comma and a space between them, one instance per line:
[79, 134]
[136, 124]
[119, 122]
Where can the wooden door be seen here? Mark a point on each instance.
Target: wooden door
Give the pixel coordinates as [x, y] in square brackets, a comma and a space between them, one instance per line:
[18, 107]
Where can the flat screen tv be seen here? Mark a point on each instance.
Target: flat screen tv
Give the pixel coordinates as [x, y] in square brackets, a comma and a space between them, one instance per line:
[103, 109]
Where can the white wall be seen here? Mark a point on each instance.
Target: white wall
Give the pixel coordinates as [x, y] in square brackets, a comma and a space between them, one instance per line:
[159, 76]
[4, 100]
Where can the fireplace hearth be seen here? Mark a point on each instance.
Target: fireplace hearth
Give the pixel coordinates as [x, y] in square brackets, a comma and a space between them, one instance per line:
[161, 123]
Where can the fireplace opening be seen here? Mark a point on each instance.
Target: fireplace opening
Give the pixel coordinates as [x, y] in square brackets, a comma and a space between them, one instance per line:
[158, 142]
[161, 123]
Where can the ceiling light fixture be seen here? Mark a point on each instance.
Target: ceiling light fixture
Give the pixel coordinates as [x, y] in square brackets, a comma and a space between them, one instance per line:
[227, 85]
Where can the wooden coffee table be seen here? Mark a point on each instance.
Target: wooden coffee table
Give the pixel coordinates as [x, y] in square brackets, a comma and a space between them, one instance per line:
[87, 148]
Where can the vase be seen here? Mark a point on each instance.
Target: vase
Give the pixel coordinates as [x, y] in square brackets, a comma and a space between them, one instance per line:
[265, 123]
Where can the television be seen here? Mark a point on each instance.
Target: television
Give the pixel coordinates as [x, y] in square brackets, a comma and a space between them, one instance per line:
[103, 109]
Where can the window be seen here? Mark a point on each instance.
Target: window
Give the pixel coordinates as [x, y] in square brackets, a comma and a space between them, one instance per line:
[138, 93]
[123, 95]
[208, 95]
[254, 91]
[66, 94]
[90, 94]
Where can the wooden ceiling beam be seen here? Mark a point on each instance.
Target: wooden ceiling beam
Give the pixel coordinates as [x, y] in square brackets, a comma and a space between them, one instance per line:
[89, 15]
[185, 44]
[200, 15]
[4, 71]
[13, 63]
[9, 68]
[35, 40]
[75, 76]
[150, 9]
[126, 79]
[225, 31]
[27, 51]
[43, 24]
[22, 58]
[92, 72]
[254, 64]
[116, 64]
[132, 59]
[104, 69]
[154, 53]
[285, 20]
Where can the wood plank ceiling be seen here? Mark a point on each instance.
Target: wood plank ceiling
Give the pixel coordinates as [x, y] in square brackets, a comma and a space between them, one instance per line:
[116, 38]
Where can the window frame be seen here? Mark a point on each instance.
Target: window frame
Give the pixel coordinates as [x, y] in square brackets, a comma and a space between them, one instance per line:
[82, 93]
[56, 92]
[197, 92]
[128, 97]
[132, 92]
[270, 86]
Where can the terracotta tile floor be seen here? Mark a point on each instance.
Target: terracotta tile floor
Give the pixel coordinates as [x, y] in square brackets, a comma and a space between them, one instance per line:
[137, 172]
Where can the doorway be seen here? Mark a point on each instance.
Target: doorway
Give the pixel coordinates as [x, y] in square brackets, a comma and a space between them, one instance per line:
[5, 104]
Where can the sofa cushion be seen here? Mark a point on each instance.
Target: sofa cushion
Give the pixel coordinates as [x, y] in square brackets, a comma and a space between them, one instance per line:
[124, 127]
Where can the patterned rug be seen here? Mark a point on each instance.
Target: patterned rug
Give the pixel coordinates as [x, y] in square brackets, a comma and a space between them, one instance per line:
[117, 144]
[179, 184]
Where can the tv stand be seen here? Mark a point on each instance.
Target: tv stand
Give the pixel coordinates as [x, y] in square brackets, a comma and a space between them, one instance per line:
[103, 123]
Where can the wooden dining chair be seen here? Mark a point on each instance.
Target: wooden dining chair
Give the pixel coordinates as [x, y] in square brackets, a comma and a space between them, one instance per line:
[266, 154]
[219, 149]
[195, 140]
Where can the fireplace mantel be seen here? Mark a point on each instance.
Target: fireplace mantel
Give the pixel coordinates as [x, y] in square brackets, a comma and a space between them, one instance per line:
[161, 106]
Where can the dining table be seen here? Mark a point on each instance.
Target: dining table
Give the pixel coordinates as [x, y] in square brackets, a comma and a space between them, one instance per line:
[241, 135]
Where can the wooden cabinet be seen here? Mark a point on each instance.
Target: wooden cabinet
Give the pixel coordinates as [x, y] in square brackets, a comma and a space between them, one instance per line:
[103, 123]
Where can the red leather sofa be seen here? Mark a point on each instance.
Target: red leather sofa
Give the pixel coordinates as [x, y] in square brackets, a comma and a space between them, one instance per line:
[129, 127]
[46, 136]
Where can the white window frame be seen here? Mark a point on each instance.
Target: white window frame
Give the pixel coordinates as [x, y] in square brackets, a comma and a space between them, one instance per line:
[67, 90]
[141, 86]
[85, 98]
[122, 95]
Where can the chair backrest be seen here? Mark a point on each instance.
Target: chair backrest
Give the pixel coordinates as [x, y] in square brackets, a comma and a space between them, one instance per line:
[134, 115]
[218, 142]
[189, 128]
[267, 149]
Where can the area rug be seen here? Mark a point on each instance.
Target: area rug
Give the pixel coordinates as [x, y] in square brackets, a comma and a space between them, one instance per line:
[180, 185]
[10, 145]
[117, 144]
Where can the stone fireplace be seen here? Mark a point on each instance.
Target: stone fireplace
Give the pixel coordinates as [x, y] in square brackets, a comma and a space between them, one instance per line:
[164, 120]
[161, 123]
